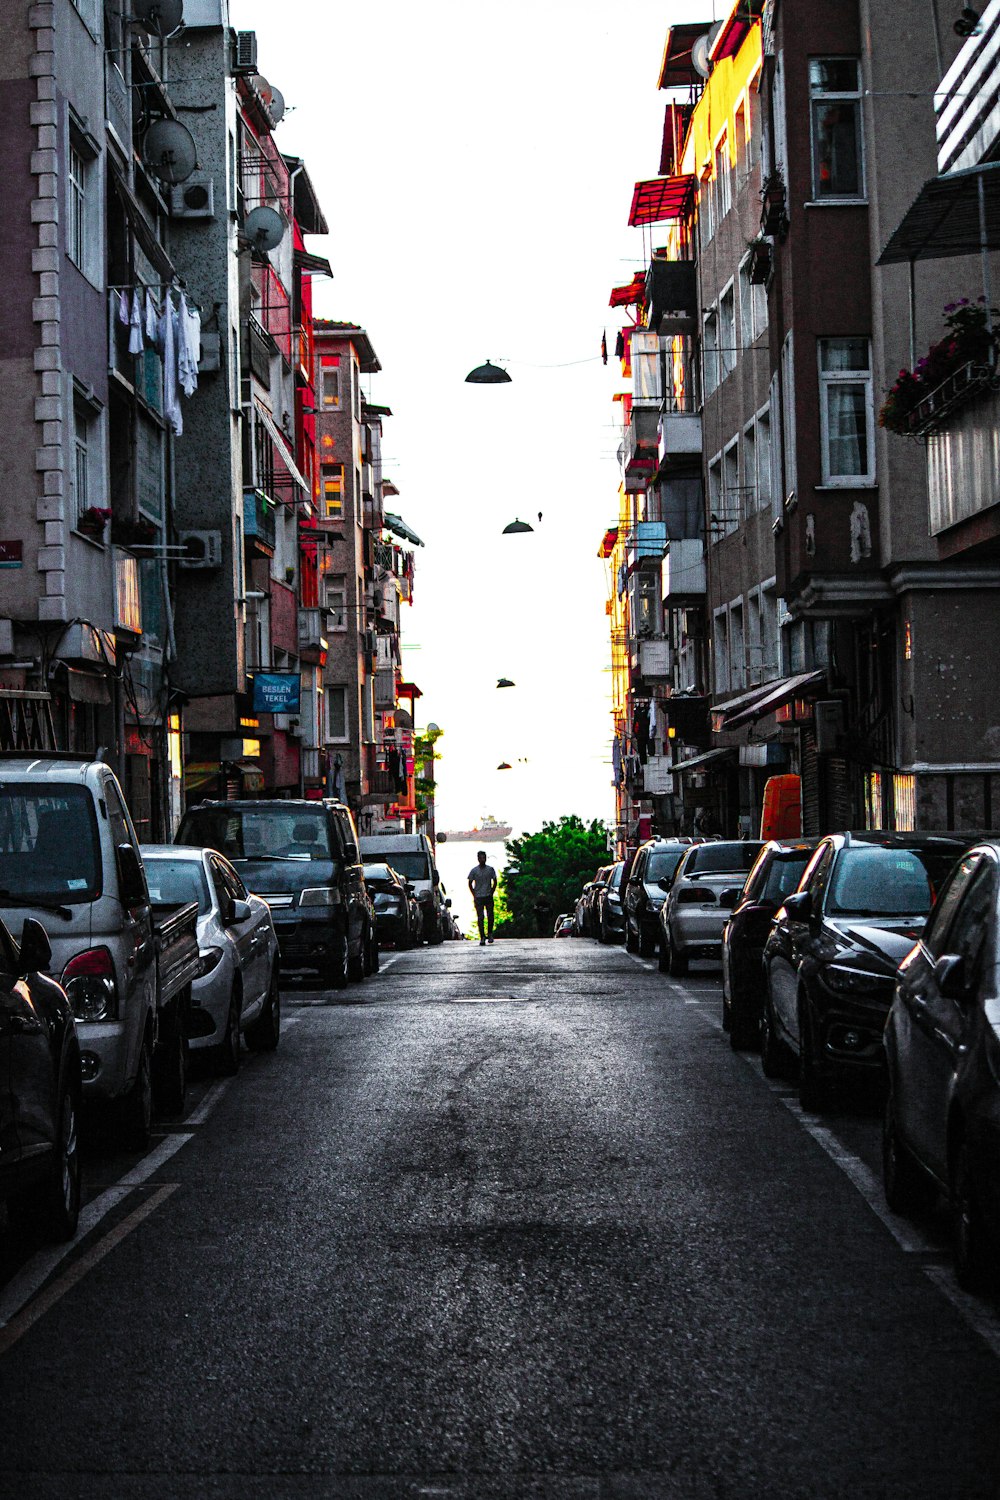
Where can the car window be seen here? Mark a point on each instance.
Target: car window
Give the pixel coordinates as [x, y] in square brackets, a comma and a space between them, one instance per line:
[782, 876]
[755, 880]
[935, 936]
[972, 924]
[232, 881]
[259, 833]
[639, 865]
[885, 881]
[818, 875]
[662, 863]
[615, 881]
[223, 895]
[175, 882]
[723, 858]
[411, 864]
[49, 846]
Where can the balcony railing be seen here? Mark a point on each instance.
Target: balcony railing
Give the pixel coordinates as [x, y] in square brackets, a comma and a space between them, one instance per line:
[313, 644]
[639, 458]
[961, 386]
[680, 436]
[684, 568]
[377, 775]
[258, 519]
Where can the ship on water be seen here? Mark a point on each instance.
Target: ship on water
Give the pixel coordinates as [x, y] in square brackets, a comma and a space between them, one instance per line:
[489, 830]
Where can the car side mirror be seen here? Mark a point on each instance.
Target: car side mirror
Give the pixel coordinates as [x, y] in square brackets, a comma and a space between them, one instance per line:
[664, 882]
[799, 906]
[448, 901]
[36, 950]
[351, 854]
[131, 881]
[729, 898]
[241, 912]
[950, 976]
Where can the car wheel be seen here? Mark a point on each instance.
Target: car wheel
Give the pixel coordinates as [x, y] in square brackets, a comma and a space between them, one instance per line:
[337, 971]
[647, 944]
[773, 1057]
[744, 1024]
[226, 1056]
[373, 958]
[136, 1109]
[677, 963]
[602, 931]
[814, 1090]
[263, 1035]
[357, 967]
[54, 1208]
[975, 1266]
[906, 1188]
[630, 942]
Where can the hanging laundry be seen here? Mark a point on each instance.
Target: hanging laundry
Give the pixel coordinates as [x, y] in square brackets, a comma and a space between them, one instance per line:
[188, 346]
[123, 312]
[168, 335]
[152, 320]
[616, 760]
[653, 723]
[135, 339]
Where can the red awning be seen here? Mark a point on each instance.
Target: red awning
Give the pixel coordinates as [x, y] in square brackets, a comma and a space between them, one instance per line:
[626, 296]
[608, 542]
[736, 28]
[677, 69]
[660, 198]
[408, 690]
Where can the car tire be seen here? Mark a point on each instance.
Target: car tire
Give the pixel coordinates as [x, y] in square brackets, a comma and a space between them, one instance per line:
[136, 1109]
[602, 932]
[171, 1067]
[647, 944]
[975, 1264]
[52, 1209]
[226, 1056]
[906, 1188]
[357, 966]
[630, 942]
[677, 963]
[373, 951]
[744, 1025]
[337, 970]
[264, 1034]
[773, 1056]
[815, 1091]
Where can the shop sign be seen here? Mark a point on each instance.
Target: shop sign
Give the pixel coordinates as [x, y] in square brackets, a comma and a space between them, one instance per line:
[277, 692]
[11, 554]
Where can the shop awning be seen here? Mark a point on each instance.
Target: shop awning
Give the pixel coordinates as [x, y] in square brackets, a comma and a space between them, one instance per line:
[398, 525]
[706, 758]
[719, 713]
[676, 68]
[281, 446]
[803, 684]
[630, 295]
[660, 198]
[944, 219]
[608, 541]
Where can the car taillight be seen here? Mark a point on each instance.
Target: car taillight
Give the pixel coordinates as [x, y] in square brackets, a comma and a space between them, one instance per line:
[89, 981]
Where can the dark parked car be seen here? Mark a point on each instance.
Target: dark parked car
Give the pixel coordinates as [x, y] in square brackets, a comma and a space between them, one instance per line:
[397, 915]
[583, 910]
[565, 926]
[301, 858]
[608, 914]
[706, 886]
[831, 957]
[776, 874]
[40, 1088]
[645, 891]
[942, 1046]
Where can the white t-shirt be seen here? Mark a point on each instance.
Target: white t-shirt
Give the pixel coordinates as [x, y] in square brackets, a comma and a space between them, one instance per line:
[482, 879]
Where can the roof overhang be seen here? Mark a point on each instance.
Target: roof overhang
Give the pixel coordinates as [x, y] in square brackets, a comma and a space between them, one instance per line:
[705, 759]
[399, 527]
[658, 199]
[773, 696]
[316, 265]
[305, 202]
[281, 446]
[735, 29]
[949, 217]
[676, 69]
[351, 333]
[631, 295]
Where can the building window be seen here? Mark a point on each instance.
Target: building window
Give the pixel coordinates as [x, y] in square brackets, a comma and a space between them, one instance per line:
[727, 332]
[731, 486]
[336, 714]
[87, 467]
[723, 179]
[847, 413]
[788, 419]
[336, 601]
[333, 492]
[716, 519]
[904, 796]
[721, 652]
[710, 350]
[705, 226]
[737, 647]
[835, 117]
[751, 490]
[764, 459]
[770, 606]
[755, 665]
[742, 154]
[331, 389]
[76, 209]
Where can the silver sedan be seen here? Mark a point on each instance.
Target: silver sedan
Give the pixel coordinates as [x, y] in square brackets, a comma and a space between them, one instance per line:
[236, 991]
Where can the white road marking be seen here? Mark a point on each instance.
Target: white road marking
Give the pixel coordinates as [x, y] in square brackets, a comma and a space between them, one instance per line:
[200, 1115]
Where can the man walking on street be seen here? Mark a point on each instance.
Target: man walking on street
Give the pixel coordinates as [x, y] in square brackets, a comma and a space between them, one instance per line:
[482, 884]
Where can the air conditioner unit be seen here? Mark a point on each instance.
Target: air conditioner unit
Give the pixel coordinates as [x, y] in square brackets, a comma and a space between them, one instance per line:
[204, 549]
[245, 52]
[194, 198]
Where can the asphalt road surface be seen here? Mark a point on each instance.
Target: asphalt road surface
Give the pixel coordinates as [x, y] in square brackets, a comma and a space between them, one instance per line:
[502, 1222]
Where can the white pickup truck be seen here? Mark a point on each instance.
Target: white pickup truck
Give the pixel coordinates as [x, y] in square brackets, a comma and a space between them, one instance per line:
[69, 856]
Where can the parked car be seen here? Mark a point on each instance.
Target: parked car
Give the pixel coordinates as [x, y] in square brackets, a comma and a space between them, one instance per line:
[40, 1088]
[301, 858]
[942, 1049]
[397, 914]
[775, 875]
[831, 956]
[412, 856]
[645, 891]
[69, 854]
[583, 910]
[236, 992]
[706, 886]
[565, 926]
[608, 915]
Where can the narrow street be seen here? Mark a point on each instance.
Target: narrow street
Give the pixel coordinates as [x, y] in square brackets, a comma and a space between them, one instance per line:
[513, 1222]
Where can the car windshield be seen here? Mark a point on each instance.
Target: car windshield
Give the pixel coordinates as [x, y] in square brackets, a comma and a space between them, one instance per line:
[616, 877]
[723, 859]
[175, 882]
[879, 881]
[784, 874]
[258, 833]
[373, 873]
[663, 862]
[49, 848]
[411, 865]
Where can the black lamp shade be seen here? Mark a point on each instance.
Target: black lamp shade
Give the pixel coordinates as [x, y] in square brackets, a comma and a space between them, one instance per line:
[504, 682]
[516, 526]
[487, 374]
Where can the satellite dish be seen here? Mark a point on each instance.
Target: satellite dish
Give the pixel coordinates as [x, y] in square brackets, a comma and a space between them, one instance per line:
[169, 151]
[264, 228]
[159, 17]
[276, 107]
[700, 49]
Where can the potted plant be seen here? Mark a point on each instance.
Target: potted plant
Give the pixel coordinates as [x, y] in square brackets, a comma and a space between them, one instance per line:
[964, 357]
[93, 521]
[132, 531]
[774, 213]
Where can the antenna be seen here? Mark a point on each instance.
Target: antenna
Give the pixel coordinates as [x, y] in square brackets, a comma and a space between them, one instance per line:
[169, 151]
[158, 17]
[264, 229]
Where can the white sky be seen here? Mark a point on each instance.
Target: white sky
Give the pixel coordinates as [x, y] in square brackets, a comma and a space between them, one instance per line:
[476, 169]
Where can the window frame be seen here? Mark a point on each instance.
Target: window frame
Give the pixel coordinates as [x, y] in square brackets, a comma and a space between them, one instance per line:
[710, 372]
[329, 689]
[829, 379]
[819, 97]
[727, 351]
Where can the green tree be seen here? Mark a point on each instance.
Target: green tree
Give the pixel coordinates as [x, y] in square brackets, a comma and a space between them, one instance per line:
[553, 864]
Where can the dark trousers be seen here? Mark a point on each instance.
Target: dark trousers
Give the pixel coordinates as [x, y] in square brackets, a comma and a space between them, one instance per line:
[484, 908]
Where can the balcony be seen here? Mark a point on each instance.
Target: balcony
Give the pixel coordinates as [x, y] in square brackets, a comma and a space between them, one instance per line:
[648, 543]
[313, 644]
[385, 687]
[639, 455]
[378, 778]
[672, 296]
[963, 463]
[684, 569]
[655, 661]
[259, 521]
[679, 438]
[260, 348]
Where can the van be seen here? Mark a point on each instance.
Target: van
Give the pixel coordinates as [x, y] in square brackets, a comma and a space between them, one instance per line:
[411, 855]
[301, 857]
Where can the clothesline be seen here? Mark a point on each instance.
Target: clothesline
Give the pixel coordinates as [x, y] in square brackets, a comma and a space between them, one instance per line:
[177, 285]
[173, 333]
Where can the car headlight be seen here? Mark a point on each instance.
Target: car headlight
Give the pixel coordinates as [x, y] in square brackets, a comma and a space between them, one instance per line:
[614, 900]
[208, 959]
[856, 981]
[89, 982]
[319, 895]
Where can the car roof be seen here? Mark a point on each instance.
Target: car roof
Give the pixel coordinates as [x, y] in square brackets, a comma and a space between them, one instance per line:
[242, 803]
[175, 851]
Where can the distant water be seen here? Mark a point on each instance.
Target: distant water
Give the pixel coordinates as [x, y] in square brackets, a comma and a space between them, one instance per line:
[454, 861]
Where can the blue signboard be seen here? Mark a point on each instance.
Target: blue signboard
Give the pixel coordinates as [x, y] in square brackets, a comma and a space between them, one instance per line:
[276, 692]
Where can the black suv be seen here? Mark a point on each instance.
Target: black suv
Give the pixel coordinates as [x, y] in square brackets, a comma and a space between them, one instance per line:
[301, 858]
[655, 861]
[830, 959]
